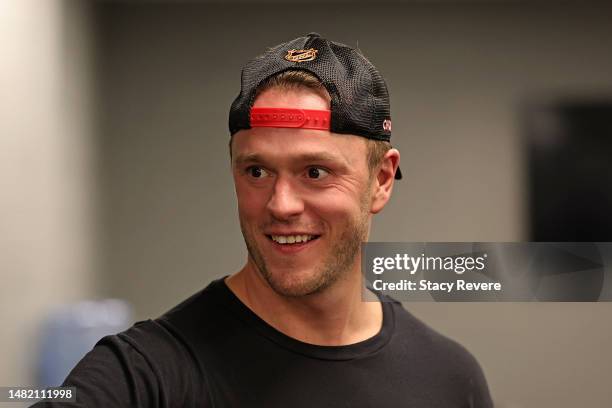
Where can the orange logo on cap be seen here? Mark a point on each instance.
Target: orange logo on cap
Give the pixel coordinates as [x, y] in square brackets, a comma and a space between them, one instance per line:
[301, 55]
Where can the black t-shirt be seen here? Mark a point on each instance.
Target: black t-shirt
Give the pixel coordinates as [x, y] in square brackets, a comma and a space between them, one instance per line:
[213, 351]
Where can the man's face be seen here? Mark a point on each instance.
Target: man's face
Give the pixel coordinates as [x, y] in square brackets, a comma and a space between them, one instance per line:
[303, 198]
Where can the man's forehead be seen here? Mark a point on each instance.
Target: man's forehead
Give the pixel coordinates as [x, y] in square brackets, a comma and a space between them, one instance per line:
[261, 144]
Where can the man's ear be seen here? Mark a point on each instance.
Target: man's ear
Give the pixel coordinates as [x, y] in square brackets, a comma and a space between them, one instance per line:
[382, 183]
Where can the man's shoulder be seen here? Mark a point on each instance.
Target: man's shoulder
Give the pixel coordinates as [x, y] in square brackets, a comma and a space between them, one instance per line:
[204, 312]
[433, 355]
[431, 345]
[165, 344]
[154, 361]
[145, 365]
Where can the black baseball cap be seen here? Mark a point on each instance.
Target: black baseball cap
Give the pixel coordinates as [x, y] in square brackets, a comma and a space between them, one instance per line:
[359, 97]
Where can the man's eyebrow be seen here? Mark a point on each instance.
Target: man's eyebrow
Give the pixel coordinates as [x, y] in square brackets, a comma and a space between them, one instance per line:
[248, 158]
[319, 157]
[304, 157]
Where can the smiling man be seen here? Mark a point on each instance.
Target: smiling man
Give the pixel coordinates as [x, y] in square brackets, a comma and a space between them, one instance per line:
[312, 164]
[305, 198]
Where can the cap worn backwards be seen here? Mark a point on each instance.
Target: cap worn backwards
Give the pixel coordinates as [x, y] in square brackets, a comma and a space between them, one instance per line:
[359, 97]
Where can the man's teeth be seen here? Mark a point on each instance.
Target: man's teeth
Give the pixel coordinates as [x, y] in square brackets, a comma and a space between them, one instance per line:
[291, 239]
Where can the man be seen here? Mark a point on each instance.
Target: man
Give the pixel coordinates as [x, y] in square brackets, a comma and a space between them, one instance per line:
[311, 163]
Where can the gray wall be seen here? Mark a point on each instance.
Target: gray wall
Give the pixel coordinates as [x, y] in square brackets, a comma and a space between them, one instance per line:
[457, 75]
[48, 238]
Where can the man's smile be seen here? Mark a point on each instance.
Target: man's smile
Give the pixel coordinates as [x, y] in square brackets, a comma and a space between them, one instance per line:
[292, 239]
[292, 243]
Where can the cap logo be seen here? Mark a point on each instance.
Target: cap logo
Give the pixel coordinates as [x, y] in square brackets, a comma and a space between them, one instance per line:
[387, 125]
[301, 55]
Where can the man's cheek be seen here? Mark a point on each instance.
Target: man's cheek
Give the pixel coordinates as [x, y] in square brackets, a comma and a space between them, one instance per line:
[251, 211]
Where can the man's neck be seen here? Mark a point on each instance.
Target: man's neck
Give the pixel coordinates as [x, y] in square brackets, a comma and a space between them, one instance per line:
[336, 316]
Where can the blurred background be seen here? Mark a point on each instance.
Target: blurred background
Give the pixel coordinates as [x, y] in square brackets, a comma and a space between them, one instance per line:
[115, 173]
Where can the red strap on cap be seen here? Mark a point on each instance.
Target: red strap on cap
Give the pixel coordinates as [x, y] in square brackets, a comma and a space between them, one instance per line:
[290, 118]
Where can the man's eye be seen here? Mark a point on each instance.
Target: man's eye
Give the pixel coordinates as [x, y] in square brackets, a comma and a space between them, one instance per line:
[257, 172]
[317, 173]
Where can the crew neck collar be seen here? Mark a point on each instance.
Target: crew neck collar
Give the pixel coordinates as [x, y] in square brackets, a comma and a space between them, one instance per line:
[344, 352]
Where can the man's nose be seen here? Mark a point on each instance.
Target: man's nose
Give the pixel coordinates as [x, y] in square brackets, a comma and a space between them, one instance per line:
[285, 202]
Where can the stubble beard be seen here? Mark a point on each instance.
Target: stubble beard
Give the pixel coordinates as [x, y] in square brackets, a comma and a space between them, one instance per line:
[337, 264]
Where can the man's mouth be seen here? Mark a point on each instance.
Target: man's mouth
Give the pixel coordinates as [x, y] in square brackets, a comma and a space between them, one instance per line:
[292, 239]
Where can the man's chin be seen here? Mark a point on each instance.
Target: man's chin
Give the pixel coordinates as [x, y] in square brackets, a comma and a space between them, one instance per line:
[296, 284]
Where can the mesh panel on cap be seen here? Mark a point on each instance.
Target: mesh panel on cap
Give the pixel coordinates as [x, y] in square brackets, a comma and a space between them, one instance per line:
[359, 97]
